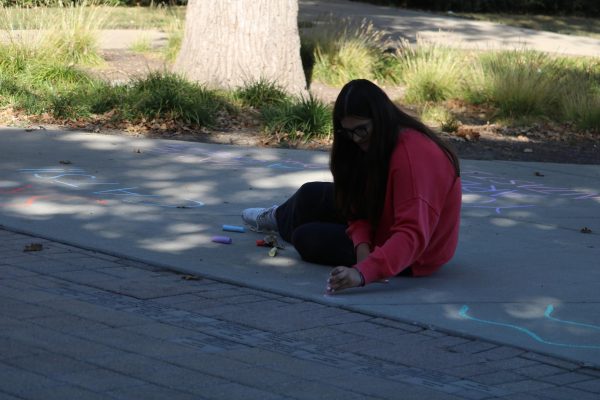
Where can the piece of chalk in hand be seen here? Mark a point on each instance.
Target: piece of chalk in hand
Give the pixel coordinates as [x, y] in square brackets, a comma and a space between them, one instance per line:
[222, 239]
[234, 228]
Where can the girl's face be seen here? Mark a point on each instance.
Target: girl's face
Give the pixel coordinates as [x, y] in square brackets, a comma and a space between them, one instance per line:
[357, 129]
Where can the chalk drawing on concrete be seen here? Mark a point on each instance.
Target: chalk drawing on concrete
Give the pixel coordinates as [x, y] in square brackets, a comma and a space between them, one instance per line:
[490, 191]
[79, 179]
[16, 190]
[463, 312]
[550, 310]
[232, 159]
[487, 191]
[129, 196]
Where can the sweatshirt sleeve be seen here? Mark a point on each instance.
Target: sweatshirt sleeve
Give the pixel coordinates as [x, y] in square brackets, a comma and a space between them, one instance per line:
[410, 233]
[359, 231]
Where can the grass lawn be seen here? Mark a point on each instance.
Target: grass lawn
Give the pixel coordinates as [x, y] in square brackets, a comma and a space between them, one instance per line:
[43, 76]
[158, 17]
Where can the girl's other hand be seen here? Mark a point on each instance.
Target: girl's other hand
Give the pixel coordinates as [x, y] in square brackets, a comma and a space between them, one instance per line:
[343, 278]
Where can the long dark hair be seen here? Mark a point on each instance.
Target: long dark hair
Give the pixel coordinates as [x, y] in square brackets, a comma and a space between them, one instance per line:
[360, 178]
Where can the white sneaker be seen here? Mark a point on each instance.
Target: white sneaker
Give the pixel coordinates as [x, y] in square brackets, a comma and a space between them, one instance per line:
[260, 219]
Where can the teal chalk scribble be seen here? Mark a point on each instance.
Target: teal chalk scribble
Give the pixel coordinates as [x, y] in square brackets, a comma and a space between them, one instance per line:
[463, 313]
[550, 310]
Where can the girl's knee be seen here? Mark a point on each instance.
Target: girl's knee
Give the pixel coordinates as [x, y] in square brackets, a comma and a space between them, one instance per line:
[304, 243]
[313, 190]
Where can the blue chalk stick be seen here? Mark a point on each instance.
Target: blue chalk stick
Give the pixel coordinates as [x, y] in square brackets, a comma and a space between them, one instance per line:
[234, 228]
[222, 239]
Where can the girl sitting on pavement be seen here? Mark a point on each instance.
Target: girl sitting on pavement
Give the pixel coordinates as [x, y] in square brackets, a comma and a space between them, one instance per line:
[393, 207]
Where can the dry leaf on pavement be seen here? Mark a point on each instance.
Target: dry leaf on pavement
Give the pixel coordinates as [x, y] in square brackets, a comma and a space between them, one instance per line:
[34, 247]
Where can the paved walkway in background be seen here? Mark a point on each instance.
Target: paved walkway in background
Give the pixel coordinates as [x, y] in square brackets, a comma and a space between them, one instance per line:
[449, 30]
[399, 23]
[79, 324]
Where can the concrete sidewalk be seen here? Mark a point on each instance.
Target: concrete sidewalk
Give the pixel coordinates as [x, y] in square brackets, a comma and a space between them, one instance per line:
[79, 324]
[525, 273]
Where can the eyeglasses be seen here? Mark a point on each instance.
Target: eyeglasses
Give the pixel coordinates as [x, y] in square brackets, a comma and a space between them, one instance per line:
[358, 133]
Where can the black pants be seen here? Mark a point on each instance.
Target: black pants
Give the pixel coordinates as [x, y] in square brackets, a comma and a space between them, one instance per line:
[310, 222]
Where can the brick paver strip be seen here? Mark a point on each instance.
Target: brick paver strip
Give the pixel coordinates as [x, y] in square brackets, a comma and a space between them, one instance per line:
[97, 326]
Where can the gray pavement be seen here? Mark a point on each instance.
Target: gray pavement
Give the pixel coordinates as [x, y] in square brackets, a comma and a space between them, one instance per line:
[524, 276]
[81, 324]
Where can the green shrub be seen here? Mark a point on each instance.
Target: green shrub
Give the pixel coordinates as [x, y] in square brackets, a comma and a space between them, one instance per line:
[260, 94]
[57, 30]
[431, 72]
[342, 51]
[300, 119]
[171, 50]
[388, 68]
[580, 103]
[521, 83]
[351, 60]
[175, 31]
[167, 95]
[76, 47]
[14, 58]
[142, 45]
[108, 98]
[69, 104]
[55, 74]
[439, 116]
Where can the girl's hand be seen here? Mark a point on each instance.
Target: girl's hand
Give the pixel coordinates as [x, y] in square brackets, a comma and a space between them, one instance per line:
[343, 278]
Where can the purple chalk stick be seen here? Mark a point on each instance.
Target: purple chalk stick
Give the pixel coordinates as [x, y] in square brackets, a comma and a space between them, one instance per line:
[222, 239]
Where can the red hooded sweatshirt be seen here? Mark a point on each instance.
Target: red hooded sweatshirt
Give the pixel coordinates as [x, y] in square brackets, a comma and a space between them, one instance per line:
[421, 215]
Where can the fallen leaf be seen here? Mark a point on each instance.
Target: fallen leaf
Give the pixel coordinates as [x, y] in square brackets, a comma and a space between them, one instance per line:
[271, 240]
[528, 150]
[467, 133]
[585, 229]
[34, 247]
[273, 252]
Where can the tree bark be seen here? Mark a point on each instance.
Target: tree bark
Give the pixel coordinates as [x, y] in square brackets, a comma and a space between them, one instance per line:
[231, 43]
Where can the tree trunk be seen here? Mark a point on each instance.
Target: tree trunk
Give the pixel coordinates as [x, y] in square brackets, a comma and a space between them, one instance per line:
[231, 43]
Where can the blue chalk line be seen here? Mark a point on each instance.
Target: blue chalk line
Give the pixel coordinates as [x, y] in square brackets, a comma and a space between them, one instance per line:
[550, 310]
[463, 313]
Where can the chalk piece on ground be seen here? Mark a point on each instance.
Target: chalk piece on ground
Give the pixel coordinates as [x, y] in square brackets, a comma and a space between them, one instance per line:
[222, 239]
[234, 228]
